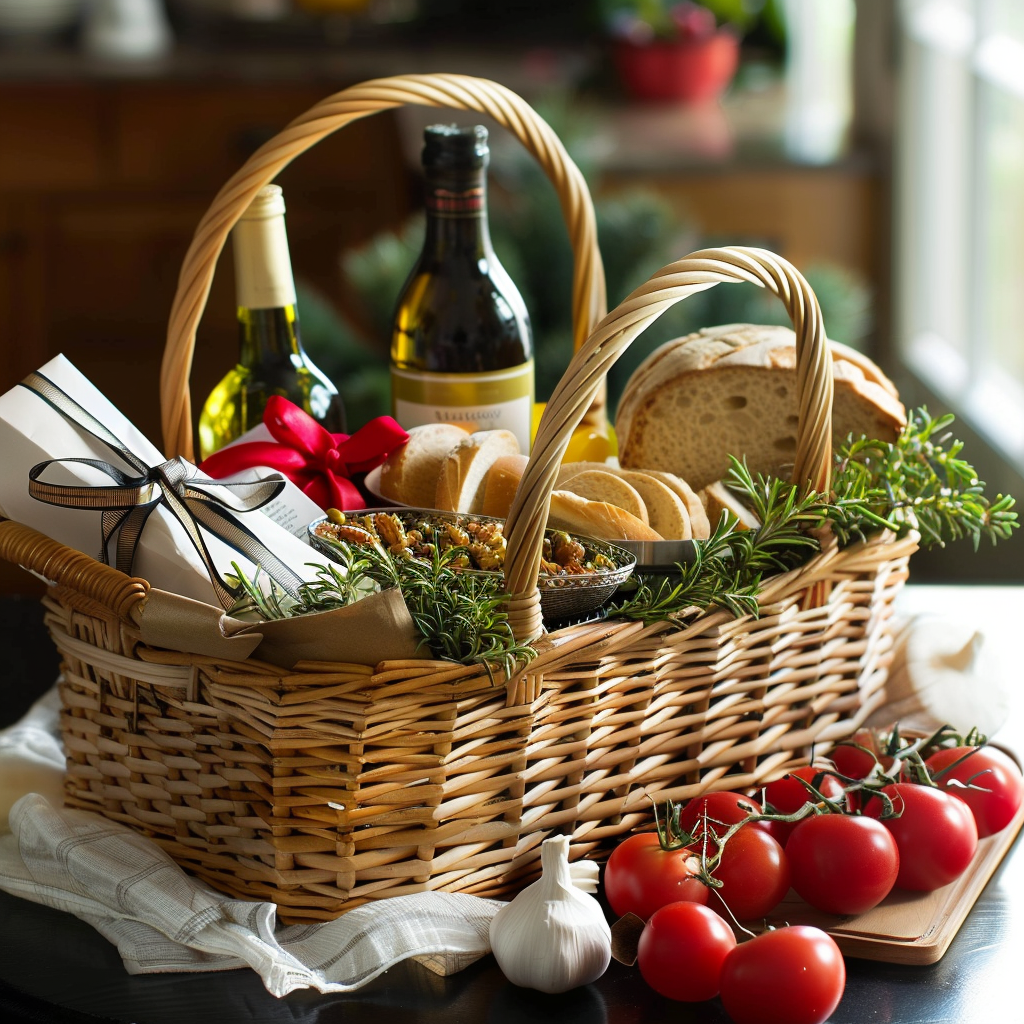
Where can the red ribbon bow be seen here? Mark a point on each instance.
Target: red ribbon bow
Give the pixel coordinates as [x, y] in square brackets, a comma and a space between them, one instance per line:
[318, 462]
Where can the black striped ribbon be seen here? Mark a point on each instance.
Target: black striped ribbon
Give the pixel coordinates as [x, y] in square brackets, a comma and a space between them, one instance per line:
[193, 498]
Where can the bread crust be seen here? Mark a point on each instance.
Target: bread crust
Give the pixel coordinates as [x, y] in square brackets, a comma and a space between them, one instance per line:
[668, 418]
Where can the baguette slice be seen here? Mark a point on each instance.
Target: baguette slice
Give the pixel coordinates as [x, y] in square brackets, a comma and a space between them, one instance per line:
[699, 525]
[600, 485]
[666, 511]
[718, 498]
[409, 473]
[502, 481]
[463, 473]
[596, 519]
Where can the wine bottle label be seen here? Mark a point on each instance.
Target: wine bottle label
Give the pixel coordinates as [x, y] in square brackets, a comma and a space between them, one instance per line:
[501, 400]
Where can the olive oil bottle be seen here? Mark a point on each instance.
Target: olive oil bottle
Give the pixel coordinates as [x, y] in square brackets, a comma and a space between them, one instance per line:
[271, 358]
[461, 346]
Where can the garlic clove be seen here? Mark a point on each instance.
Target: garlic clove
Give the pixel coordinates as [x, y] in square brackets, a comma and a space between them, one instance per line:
[552, 937]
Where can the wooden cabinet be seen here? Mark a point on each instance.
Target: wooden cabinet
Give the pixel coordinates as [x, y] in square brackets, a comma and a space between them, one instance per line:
[102, 184]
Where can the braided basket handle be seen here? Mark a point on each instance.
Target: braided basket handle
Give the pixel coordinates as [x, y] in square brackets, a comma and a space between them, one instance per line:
[524, 528]
[459, 92]
[66, 567]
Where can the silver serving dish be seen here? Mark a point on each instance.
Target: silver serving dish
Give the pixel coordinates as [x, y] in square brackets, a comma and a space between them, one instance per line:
[561, 597]
[659, 556]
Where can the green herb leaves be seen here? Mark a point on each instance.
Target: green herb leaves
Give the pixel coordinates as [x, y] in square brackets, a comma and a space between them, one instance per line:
[920, 482]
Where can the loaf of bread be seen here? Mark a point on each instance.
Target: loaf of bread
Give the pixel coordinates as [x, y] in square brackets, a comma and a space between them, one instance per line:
[460, 483]
[598, 519]
[733, 391]
[409, 474]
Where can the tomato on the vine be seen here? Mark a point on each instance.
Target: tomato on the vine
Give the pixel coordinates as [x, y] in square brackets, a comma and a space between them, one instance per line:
[787, 795]
[935, 834]
[790, 975]
[842, 864]
[855, 763]
[718, 809]
[1000, 785]
[754, 873]
[641, 877]
[682, 949]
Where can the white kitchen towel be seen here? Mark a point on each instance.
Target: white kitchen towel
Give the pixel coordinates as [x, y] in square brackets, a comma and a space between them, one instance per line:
[162, 919]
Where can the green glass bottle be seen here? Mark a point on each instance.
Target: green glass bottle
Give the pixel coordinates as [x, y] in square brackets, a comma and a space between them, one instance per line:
[271, 358]
[461, 346]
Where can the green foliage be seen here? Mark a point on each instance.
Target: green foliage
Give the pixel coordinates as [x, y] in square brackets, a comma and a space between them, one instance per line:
[921, 483]
[918, 482]
[460, 616]
[728, 568]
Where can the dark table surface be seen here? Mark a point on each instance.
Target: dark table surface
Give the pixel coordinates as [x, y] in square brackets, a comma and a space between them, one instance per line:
[54, 967]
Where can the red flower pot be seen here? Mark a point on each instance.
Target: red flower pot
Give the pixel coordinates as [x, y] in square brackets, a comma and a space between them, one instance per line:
[688, 70]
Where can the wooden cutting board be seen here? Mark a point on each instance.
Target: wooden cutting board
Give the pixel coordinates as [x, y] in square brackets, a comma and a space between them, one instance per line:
[906, 927]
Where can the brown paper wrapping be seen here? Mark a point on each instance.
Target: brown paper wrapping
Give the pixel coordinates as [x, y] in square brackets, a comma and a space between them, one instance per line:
[374, 629]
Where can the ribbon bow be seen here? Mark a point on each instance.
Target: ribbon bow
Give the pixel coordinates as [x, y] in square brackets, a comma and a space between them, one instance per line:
[318, 462]
[191, 496]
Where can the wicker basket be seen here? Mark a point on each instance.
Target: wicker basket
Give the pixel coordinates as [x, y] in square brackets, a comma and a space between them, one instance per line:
[329, 785]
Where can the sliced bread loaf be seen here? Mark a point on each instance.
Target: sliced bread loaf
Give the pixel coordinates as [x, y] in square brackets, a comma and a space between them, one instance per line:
[732, 391]
[409, 474]
[463, 474]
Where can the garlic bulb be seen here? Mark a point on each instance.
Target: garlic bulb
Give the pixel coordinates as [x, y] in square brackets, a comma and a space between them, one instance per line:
[552, 937]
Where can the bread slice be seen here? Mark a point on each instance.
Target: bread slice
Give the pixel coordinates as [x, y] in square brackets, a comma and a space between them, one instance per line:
[409, 473]
[502, 482]
[718, 498]
[600, 485]
[666, 511]
[596, 519]
[699, 524]
[463, 474]
[732, 391]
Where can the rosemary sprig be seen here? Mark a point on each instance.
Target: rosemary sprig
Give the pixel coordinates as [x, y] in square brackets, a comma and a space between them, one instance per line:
[728, 567]
[460, 616]
[919, 482]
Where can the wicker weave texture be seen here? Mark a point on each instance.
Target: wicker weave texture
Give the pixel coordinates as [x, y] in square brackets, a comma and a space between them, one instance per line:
[332, 785]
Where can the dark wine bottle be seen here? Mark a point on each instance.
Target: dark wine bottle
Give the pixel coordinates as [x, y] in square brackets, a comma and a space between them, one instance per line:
[271, 358]
[461, 346]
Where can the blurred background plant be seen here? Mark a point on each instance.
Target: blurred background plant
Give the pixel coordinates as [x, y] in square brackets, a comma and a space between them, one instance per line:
[638, 233]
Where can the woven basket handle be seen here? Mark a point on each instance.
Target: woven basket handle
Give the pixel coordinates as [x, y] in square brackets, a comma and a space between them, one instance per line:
[67, 567]
[458, 92]
[524, 529]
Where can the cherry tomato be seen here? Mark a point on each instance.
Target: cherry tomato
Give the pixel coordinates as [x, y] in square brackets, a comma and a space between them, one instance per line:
[935, 834]
[640, 877]
[791, 975]
[842, 864]
[857, 764]
[1002, 785]
[754, 873]
[787, 795]
[682, 949]
[722, 809]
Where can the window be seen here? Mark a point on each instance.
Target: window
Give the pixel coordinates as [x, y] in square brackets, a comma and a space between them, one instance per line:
[960, 203]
